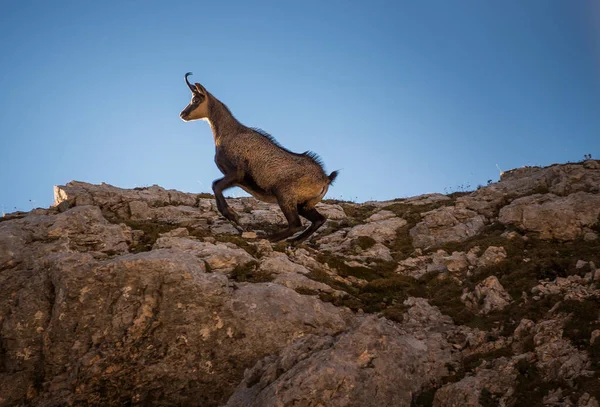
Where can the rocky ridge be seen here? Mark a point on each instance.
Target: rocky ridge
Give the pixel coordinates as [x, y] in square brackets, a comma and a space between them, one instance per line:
[148, 297]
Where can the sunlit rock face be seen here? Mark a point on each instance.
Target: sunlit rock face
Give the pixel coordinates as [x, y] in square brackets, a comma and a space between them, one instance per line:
[148, 296]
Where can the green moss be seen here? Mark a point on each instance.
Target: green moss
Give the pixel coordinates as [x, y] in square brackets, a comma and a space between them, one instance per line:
[358, 212]
[365, 242]
[424, 398]
[389, 293]
[528, 261]
[238, 241]
[531, 387]
[348, 301]
[489, 399]
[250, 273]
[596, 226]
[540, 189]
[199, 233]
[583, 320]
[152, 231]
[306, 291]
[344, 270]
[325, 278]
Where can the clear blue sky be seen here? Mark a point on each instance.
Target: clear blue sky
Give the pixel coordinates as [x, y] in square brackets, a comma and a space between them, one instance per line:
[405, 97]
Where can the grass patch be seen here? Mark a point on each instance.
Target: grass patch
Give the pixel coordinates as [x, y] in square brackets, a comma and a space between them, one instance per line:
[424, 398]
[344, 270]
[386, 290]
[199, 233]
[489, 399]
[387, 295]
[578, 328]
[358, 212]
[250, 273]
[238, 241]
[306, 291]
[531, 387]
[583, 320]
[325, 278]
[364, 242]
[152, 231]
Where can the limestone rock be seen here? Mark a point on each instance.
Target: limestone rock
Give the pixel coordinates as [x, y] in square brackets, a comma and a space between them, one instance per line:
[457, 262]
[116, 200]
[377, 251]
[383, 230]
[444, 225]
[279, 263]
[372, 364]
[560, 180]
[218, 257]
[573, 287]
[556, 357]
[426, 199]
[499, 379]
[86, 321]
[491, 256]
[490, 294]
[331, 211]
[86, 230]
[587, 401]
[439, 261]
[553, 217]
[423, 314]
[153, 317]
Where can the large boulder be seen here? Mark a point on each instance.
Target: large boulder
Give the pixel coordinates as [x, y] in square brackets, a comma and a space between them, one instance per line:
[375, 363]
[560, 180]
[552, 216]
[445, 225]
[140, 328]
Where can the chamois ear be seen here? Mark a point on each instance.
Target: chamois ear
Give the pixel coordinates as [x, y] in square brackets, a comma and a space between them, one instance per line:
[200, 89]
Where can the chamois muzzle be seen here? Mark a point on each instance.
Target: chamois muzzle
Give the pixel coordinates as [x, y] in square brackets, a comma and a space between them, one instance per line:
[184, 114]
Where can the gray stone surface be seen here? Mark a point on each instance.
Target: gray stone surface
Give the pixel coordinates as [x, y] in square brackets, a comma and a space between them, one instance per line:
[148, 296]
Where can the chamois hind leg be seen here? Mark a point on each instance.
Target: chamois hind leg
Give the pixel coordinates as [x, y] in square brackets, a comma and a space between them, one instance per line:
[218, 187]
[316, 220]
[289, 209]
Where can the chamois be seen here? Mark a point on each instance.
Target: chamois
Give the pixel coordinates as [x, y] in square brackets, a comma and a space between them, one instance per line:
[252, 160]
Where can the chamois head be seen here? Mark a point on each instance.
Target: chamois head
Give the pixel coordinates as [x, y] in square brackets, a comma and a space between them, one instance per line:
[198, 107]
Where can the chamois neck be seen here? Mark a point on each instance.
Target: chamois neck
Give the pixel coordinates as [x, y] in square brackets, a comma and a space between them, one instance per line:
[221, 120]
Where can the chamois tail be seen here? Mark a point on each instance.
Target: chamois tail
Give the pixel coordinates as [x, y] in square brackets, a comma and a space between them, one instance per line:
[332, 177]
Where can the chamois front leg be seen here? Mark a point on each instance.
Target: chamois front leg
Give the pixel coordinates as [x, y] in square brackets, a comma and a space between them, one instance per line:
[218, 187]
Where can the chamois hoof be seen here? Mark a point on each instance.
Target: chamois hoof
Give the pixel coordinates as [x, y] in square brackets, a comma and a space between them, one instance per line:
[279, 236]
[232, 216]
[284, 234]
[275, 238]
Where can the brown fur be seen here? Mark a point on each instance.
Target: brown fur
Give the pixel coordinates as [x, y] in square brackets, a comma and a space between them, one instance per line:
[252, 160]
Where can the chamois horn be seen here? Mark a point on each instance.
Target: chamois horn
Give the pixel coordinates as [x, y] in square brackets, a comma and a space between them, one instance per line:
[192, 87]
